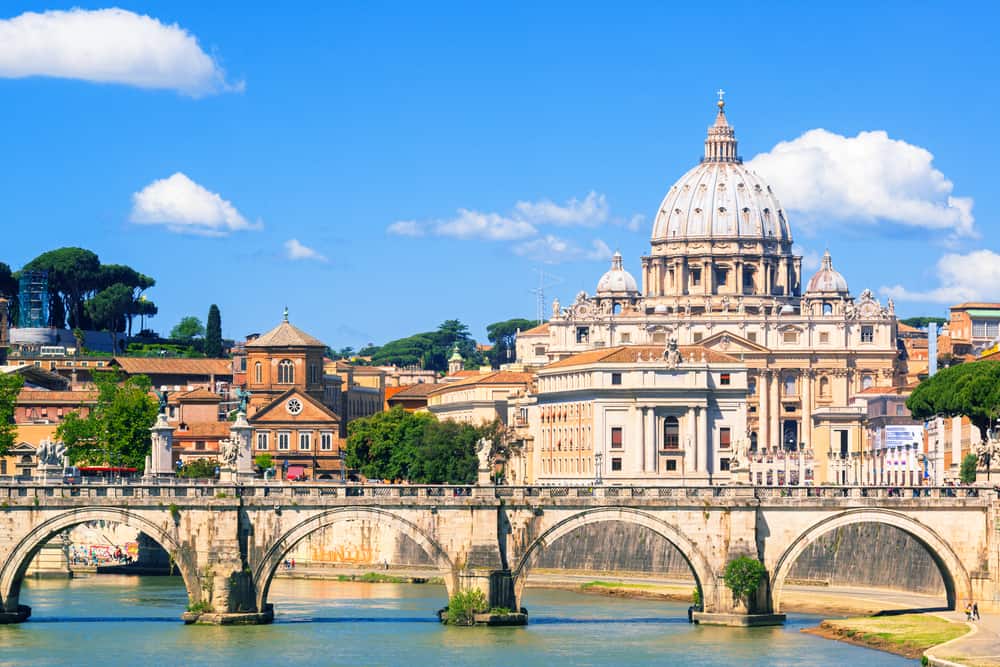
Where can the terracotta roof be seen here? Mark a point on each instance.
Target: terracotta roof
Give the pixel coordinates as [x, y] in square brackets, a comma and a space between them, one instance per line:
[975, 304]
[286, 335]
[199, 394]
[540, 329]
[625, 354]
[420, 390]
[36, 397]
[879, 391]
[906, 328]
[203, 429]
[494, 378]
[157, 366]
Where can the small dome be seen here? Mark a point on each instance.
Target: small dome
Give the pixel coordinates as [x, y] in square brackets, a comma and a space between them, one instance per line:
[827, 280]
[617, 281]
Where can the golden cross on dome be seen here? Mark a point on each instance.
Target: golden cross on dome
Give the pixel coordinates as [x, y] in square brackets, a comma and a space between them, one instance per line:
[721, 93]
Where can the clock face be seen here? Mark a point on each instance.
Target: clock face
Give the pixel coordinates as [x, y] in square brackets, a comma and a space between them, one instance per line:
[294, 406]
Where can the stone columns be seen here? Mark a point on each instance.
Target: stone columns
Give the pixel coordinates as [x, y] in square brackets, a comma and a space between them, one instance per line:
[763, 405]
[775, 416]
[161, 459]
[691, 444]
[702, 439]
[650, 422]
[807, 400]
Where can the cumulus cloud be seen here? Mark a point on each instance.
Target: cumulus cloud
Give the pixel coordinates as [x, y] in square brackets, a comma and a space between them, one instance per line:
[553, 250]
[974, 276]
[488, 226]
[591, 211]
[295, 250]
[109, 46]
[406, 228]
[826, 177]
[181, 205]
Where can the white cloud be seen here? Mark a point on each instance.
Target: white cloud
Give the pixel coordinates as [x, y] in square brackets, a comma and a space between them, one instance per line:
[108, 46]
[553, 250]
[590, 212]
[489, 226]
[183, 206]
[406, 228]
[826, 178]
[971, 277]
[295, 250]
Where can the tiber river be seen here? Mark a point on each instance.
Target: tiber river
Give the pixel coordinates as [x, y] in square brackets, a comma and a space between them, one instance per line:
[126, 621]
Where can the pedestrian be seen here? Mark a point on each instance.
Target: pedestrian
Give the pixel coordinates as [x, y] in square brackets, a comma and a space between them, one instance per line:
[293, 563]
[968, 612]
[975, 610]
[287, 566]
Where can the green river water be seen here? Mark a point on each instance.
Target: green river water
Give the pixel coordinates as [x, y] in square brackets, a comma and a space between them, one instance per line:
[112, 620]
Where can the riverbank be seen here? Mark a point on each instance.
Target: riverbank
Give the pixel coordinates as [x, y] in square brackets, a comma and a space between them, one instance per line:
[908, 635]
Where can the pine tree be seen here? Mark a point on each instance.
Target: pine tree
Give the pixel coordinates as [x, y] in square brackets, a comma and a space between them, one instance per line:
[213, 333]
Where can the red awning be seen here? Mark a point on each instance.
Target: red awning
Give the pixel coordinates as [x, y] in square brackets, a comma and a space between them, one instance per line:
[294, 472]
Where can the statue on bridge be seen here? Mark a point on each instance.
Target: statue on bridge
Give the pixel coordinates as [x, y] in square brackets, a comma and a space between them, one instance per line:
[51, 454]
[162, 396]
[243, 396]
[229, 452]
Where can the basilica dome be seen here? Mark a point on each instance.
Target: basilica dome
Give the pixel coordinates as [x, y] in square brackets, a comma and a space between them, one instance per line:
[720, 198]
[827, 280]
[617, 281]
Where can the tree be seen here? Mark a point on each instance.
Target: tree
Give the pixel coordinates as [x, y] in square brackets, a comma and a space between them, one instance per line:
[73, 274]
[116, 431]
[144, 308]
[8, 283]
[111, 274]
[108, 309]
[198, 469]
[923, 321]
[967, 473]
[10, 387]
[187, 329]
[213, 333]
[743, 576]
[969, 390]
[263, 461]
[385, 445]
[429, 350]
[503, 335]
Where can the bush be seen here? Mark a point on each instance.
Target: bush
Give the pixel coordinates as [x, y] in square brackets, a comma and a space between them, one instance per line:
[743, 576]
[263, 461]
[967, 473]
[463, 607]
[200, 468]
[696, 597]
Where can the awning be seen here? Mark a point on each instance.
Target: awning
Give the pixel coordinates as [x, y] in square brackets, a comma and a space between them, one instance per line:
[294, 472]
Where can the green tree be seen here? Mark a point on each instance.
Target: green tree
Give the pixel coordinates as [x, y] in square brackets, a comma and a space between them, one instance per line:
[73, 274]
[116, 431]
[967, 473]
[969, 390]
[8, 283]
[112, 274]
[463, 607]
[923, 321]
[446, 454]
[743, 576]
[108, 309]
[188, 329]
[429, 350]
[503, 335]
[263, 461]
[213, 333]
[386, 444]
[198, 469]
[10, 387]
[144, 308]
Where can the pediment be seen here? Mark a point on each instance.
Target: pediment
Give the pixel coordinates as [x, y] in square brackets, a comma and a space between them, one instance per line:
[730, 343]
[22, 448]
[306, 410]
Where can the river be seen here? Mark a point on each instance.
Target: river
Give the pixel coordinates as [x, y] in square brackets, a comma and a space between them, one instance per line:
[116, 620]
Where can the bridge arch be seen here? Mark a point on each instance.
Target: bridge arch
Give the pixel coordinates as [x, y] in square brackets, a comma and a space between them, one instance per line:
[957, 583]
[705, 577]
[264, 572]
[16, 563]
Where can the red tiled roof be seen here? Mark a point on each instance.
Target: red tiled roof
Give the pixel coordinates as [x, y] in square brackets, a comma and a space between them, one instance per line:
[420, 390]
[157, 366]
[286, 335]
[540, 329]
[199, 395]
[204, 429]
[37, 397]
[494, 378]
[624, 354]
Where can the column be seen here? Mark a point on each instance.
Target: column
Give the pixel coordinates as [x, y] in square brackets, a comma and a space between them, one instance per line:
[703, 439]
[763, 404]
[708, 275]
[651, 459]
[807, 398]
[775, 416]
[642, 437]
[691, 440]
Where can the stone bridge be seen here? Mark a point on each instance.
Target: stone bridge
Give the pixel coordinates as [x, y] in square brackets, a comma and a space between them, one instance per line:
[228, 540]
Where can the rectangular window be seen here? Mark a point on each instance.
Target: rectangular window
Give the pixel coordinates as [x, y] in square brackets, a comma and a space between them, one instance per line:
[697, 336]
[616, 378]
[725, 438]
[582, 334]
[725, 378]
[790, 337]
[721, 275]
[824, 337]
[752, 336]
[199, 445]
[284, 438]
[616, 464]
[867, 333]
[695, 277]
[616, 437]
[724, 465]
[626, 338]
[899, 411]
[978, 328]
[326, 441]
[539, 350]
[305, 441]
[262, 440]
[671, 465]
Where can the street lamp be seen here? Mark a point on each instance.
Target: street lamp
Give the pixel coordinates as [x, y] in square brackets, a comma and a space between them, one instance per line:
[597, 468]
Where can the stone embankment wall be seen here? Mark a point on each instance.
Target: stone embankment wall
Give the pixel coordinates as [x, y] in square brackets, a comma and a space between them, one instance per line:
[856, 555]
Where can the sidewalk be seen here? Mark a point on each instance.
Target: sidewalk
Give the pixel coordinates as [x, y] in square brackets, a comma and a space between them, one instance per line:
[980, 648]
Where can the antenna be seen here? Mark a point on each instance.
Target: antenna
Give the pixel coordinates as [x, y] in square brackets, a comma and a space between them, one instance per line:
[544, 280]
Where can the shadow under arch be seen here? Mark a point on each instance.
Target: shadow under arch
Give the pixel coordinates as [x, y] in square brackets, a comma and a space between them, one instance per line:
[263, 572]
[957, 583]
[16, 563]
[705, 578]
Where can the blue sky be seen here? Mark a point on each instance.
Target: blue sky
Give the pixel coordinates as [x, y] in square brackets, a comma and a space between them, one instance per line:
[329, 124]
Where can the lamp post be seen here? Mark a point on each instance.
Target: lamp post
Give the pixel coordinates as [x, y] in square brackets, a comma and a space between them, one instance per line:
[597, 468]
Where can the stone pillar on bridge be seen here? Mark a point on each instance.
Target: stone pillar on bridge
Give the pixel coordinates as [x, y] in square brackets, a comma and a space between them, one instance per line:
[161, 457]
[239, 435]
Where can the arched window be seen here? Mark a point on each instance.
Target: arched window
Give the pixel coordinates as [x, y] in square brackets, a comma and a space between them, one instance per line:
[286, 372]
[827, 308]
[789, 385]
[258, 373]
[753, 441]
[866, 382]
[671, 433]
[824, 387]
[617, 308]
